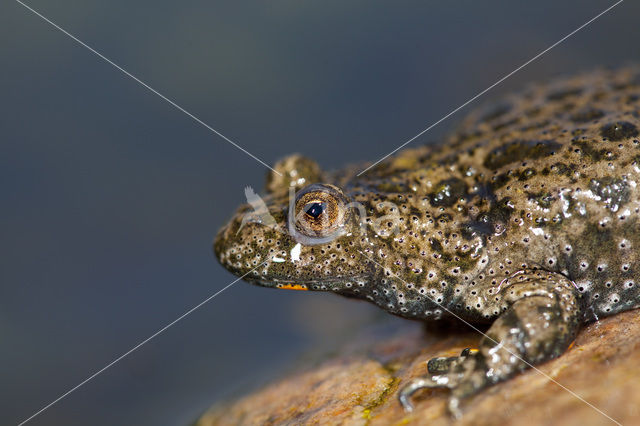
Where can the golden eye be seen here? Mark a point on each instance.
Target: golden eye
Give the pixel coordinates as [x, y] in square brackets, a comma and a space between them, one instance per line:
[319, 213]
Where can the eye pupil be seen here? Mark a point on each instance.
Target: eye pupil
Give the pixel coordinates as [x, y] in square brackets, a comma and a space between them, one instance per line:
[315, 209]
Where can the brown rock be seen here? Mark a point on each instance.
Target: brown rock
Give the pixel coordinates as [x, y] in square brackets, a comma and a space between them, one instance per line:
[595, 382]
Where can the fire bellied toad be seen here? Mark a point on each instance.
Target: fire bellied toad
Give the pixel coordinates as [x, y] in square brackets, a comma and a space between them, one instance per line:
[526, 218]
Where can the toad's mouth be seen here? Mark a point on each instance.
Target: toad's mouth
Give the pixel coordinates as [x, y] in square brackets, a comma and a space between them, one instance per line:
[324, 283]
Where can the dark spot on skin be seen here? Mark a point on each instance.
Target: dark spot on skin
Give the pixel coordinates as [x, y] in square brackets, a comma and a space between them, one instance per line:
[443, 218]
[491, 222]
[563, 94]
[619, 131]
[447, 192]
[614, 192]
[435, 245]
[587, 149]
[518, 151]
[501, 210]
[500, 180]
[526, 174]
[414, 211]
[592, 239]
[543, 199]
[563, 169]
[587, 115]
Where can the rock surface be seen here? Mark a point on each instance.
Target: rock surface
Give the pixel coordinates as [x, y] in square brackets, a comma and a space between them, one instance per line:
[595, 382]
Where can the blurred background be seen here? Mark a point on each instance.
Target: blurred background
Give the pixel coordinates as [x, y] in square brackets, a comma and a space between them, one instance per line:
[110, 197]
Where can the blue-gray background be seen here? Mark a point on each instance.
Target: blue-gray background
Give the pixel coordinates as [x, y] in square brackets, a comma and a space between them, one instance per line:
[110, 197]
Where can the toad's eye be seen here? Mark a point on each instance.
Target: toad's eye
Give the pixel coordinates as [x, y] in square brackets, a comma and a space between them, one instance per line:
[319, 214]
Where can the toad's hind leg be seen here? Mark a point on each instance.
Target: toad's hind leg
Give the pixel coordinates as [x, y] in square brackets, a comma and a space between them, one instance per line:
[540, 321]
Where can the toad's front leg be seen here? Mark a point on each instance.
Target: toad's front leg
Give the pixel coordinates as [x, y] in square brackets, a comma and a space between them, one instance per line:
[540, 321]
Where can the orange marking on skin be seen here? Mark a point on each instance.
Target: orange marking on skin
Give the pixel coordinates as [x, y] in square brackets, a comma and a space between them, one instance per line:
[301, 287]
[571, 345]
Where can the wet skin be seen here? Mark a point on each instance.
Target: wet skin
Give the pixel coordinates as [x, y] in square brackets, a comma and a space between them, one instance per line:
[526, 218]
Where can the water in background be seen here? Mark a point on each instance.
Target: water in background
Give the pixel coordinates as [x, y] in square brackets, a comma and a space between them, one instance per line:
[110, 197]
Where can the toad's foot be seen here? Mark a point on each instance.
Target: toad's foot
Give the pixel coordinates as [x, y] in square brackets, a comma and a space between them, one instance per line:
[441, 364]
[445, 372]
[539, 323]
